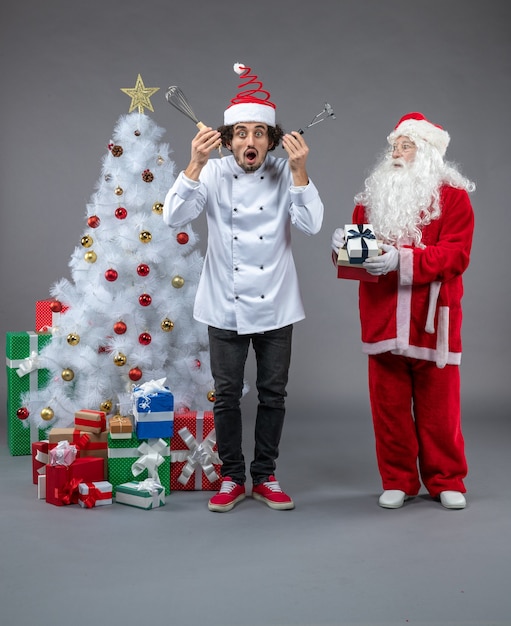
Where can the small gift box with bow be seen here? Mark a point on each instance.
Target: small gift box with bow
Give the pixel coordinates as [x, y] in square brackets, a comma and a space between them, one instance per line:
[147, 494]
[351, 268]
[195, 464]
[360, 242]
[153, 408]
[138, 458]
[120, 427]
[64, 453]
[87, 444]
[94, 494]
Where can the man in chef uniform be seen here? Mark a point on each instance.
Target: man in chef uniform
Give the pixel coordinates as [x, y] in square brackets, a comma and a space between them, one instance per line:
[248, 292]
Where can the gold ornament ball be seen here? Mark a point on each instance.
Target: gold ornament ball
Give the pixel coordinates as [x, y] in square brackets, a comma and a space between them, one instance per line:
[120, 359]
[167, 325]
[118, 191]
[211, 395]
[68, 374]
[47, 414]
[178, 282]
[73, 339]
[87, 241]
[90, 257]
[158, 208]
[106, 406]
[145, 236]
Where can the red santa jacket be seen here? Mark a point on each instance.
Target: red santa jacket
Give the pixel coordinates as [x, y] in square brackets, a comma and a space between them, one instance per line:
[417, 311]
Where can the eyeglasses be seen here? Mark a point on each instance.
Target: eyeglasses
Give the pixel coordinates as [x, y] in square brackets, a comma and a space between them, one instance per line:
[403, 147]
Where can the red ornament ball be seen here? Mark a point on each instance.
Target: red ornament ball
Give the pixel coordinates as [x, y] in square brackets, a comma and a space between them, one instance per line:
[121, 213]
[144, 339]
[93, 221]
[135, 373]
[143, 269]
[120, 328]
[56, 306]
[197, 363]
[22, 413]
[182, 238]
[111, 275]
[145, 299]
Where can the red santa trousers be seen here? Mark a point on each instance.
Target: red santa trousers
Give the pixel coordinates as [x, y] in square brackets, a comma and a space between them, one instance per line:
[417, 424]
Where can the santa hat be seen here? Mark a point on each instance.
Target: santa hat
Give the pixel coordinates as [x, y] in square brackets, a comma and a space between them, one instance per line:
[416, 126]
[247, 106]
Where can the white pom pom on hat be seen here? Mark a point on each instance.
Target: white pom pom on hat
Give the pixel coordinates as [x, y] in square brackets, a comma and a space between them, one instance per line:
[416, 126]
[251, 104]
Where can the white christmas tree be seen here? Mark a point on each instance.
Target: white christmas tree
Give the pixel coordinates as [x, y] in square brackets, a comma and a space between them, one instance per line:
[129, 318]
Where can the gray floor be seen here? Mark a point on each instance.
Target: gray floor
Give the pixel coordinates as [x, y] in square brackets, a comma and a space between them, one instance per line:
[336, 559]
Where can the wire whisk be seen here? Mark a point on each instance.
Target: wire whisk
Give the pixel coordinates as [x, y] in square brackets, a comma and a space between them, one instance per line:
[320, 117]
[177, 99]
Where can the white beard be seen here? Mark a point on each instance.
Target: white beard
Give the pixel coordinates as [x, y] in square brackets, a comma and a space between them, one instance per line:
[401, 197]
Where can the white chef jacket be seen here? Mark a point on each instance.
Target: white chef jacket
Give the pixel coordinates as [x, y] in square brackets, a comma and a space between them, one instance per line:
[249, 281]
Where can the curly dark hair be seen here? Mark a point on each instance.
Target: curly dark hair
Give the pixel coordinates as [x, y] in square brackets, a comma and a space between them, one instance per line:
[275, 134]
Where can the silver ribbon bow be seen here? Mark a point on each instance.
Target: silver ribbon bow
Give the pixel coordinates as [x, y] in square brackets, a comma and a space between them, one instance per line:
[201, 455]
[154, 488]
[30, 364]
[151, 458]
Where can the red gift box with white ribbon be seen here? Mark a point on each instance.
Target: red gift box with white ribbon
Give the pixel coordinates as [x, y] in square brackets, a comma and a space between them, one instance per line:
[194, 461]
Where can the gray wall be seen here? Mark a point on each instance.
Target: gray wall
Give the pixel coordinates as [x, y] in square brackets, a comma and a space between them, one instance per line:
[63, 65]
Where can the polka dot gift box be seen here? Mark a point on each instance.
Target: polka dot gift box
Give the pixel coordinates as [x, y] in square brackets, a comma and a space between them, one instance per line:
[23, 375]
[195, 465]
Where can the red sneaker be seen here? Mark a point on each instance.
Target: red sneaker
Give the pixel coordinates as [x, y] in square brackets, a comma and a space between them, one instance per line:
[230, 493]
[271, 493]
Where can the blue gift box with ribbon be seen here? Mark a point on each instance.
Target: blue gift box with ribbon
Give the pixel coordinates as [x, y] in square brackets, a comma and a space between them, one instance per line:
[153, 409]
[360, 242]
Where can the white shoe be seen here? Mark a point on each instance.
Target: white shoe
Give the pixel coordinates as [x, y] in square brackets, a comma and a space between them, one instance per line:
[392, 499]
[453, 500]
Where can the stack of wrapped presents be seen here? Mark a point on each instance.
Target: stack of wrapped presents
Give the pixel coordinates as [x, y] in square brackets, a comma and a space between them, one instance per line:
[137, 459]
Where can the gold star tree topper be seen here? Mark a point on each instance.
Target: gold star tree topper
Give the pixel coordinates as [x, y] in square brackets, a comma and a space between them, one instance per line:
[140, 95]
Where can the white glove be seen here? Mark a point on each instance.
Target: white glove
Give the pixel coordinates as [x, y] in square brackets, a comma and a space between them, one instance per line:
[383, 263]
[338, 240]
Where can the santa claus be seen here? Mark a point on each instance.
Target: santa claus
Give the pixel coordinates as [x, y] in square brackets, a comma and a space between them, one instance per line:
[411, 317]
